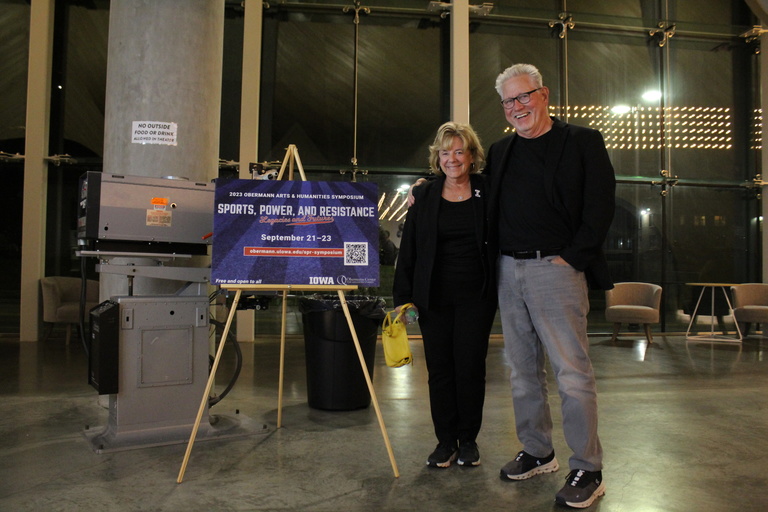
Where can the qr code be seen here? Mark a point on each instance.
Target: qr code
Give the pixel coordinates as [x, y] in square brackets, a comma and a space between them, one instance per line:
[355, 253]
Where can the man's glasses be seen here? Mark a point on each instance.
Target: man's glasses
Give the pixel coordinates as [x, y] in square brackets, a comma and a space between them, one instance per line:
[523, 99]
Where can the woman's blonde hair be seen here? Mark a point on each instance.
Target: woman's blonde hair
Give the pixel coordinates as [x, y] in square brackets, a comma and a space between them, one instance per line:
[444, 140]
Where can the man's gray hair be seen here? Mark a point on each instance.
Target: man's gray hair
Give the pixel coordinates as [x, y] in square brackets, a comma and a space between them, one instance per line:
[518, 70]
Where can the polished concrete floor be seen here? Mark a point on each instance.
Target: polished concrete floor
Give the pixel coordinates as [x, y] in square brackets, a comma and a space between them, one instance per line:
[684, 428]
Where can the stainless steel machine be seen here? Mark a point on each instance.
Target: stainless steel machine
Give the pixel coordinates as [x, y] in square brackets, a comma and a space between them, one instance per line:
[150, 354]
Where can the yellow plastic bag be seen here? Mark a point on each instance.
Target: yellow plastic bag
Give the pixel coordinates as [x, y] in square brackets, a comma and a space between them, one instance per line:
[397, 351]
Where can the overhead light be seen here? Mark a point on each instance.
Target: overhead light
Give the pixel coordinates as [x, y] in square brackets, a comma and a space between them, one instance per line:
[621, 109]
[652, 95]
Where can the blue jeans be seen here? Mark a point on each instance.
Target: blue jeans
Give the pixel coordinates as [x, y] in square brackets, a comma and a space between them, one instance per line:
[543, 309]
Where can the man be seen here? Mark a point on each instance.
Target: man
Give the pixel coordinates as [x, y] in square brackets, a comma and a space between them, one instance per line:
[552, 201]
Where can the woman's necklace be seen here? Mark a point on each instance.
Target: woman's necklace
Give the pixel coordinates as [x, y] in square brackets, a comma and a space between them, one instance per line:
[461, 195]
[453, 191]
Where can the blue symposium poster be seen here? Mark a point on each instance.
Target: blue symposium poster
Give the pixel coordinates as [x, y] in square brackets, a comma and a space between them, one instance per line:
[295, 232]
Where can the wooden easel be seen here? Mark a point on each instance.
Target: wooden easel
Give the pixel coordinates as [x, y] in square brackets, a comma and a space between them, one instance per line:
[291, 156]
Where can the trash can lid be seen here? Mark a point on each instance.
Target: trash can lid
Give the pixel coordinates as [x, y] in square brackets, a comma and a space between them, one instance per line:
[363, 305]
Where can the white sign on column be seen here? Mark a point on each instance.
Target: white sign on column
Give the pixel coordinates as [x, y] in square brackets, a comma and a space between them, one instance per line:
[154, 132]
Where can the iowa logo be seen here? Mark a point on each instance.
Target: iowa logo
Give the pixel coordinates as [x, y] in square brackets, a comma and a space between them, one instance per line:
[320, 280]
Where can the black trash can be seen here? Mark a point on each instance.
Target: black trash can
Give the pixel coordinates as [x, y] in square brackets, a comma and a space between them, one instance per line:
[335, 380]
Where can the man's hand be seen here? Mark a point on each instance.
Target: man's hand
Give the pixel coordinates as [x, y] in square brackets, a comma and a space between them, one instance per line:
[412, 199]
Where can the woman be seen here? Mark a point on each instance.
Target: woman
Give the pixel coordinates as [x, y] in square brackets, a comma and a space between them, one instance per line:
[444, 270]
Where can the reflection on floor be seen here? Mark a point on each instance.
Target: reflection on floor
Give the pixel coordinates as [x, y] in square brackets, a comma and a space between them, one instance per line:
[683, 427]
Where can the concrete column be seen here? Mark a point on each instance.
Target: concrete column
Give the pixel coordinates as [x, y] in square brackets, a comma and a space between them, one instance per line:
[164, 65]
[764, 156]
[249, 121]
[460, 61]
[760, 8]
[251, 86]
[36, 167]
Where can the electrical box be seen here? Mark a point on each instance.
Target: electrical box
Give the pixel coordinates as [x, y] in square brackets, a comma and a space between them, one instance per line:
[161, 346]
[143, 214]
[163, 362]
[103, 358]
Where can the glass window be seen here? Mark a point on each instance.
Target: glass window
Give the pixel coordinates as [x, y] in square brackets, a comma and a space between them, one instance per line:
[399, 94]
[633, 246]
[313, 86]
[14, 47]
[522, 7]
[621, 8]
[613, 86]
[398, 97]
[77, 123]
[615, 80]
[708, 221]
[708, 127]
[231, 85]
[720, 12]
[493, 48]
[710, 231]
[83, 89]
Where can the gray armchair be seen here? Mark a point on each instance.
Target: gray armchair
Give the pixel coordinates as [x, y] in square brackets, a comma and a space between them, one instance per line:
[633, 303]
[750, 305]
[61, 301]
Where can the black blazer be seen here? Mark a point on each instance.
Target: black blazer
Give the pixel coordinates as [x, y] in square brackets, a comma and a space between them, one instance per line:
[418, 246]
[581, 187]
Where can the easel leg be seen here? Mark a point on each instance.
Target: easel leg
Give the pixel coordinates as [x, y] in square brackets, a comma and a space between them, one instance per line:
[370, 384]
[282, 363]
[211, 378]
